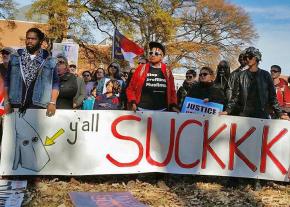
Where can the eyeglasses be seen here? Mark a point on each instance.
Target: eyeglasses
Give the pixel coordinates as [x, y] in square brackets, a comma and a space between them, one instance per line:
[189, 76]
[156, 53]
[112, 66]
[203, 74]
[275, 71]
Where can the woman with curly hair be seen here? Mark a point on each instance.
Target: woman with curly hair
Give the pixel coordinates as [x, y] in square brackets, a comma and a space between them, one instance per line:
[109, 100]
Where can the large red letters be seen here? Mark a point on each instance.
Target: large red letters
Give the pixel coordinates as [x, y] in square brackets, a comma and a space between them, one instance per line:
[171, 144]
[266, 150]
[234, 147]
[207, 147]
[119, 136]
[177, 159]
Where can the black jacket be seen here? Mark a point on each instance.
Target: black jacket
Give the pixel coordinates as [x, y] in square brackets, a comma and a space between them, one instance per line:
[231, 81]
[183, 92]
[267, 93]
[68, 88]
[211, 91]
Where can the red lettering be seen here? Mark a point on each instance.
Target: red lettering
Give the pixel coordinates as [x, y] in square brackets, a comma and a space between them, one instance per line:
[234, 147]
[171, 144]
[178, 161]
[119, 136]
[207, 147]
[266, 150]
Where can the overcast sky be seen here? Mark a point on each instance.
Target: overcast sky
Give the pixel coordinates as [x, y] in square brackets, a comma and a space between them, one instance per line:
[271, 18]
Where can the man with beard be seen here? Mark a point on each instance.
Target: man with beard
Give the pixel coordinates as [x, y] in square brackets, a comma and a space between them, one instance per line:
[31, 80]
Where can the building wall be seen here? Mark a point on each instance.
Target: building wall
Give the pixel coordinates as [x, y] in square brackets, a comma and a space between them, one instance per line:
[14, 37]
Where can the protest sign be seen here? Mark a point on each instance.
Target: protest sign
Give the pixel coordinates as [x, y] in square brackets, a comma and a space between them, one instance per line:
[68, 49]
[198, 106]
[11, 192]
[121, 142]
[104, 199]
[105, 88]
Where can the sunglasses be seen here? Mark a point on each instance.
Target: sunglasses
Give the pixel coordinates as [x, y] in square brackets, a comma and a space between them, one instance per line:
[112, 66]
[61, 62]
[250, 57]
[5, 53]
[189, 76]
[275, 71]
[203, 74]
[156, 53]
[87, 75]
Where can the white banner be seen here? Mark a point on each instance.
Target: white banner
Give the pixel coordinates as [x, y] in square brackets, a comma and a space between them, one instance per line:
[121, 142]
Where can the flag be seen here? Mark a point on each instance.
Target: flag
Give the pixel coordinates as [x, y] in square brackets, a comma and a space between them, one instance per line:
[125, 49]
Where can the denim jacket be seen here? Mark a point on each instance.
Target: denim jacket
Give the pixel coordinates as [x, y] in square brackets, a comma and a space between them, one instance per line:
[46, 80]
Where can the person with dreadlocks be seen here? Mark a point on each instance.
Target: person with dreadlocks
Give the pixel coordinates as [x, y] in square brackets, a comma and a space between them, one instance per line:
[31, 80]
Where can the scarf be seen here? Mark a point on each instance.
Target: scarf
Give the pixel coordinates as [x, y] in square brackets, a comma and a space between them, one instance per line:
[30, 67]
[29, 70]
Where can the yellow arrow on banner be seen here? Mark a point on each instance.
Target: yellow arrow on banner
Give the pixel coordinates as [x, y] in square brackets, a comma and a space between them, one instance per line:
[50, 141]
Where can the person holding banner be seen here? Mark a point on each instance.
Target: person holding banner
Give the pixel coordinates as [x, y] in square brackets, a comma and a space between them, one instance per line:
[186, 87]
[152, 84]
[31, 80]
[206, 89]
[254, 91]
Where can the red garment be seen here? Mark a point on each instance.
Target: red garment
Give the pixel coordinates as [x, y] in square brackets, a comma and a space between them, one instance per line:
[283, 93]
[1, 96]
[134, 89]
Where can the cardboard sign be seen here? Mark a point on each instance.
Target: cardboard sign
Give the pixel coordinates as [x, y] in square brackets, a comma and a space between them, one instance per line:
[198, 106]
[97, 142]
[104, 199]
[106, 81]
[68, 49]
[11, 193]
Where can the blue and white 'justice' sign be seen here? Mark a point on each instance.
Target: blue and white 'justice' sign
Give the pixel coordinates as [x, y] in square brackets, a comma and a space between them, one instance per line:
[198, 106]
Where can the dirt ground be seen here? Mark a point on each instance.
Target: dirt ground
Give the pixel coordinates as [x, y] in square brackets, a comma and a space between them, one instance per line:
[161, 190]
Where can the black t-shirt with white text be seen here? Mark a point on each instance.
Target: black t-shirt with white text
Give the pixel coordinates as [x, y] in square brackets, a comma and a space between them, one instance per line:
[153, 95]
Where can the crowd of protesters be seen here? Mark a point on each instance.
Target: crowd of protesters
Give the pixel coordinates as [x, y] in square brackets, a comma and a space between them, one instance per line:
[35, 80]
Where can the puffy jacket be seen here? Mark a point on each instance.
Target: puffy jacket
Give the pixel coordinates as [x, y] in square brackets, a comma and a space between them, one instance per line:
[267, 93]
[134, 90]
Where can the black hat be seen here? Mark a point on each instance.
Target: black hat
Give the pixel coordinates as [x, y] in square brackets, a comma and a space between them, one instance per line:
[8, 49]
[157, 45]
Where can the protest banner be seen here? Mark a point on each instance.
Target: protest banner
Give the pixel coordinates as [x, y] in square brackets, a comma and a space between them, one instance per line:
[198, 106]
[104, 199]
[68, 49]
[123, 142]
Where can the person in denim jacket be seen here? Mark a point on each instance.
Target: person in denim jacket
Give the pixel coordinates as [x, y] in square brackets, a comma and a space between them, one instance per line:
[31, 80]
